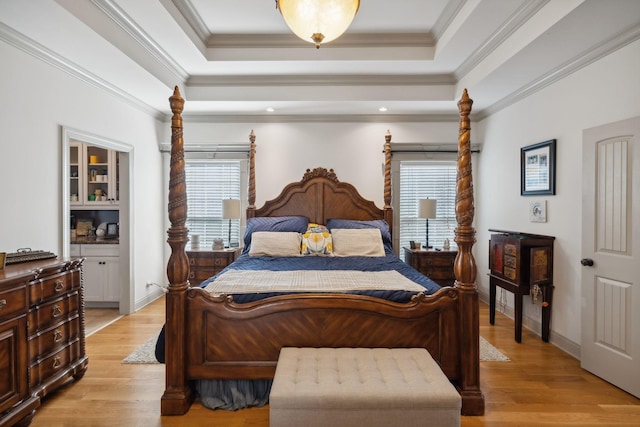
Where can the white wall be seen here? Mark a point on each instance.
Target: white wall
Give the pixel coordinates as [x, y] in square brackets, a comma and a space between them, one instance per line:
[603, 92]
[37, 100]
[285, 150]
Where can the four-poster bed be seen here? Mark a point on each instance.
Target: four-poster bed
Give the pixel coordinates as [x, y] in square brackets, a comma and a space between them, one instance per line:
[216, 337]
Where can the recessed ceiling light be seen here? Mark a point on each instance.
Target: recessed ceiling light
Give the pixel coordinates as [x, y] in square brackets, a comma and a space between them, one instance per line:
[270, 109]
[382, 109]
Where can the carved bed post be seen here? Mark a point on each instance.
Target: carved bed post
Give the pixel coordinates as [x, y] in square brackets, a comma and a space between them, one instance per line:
[388, 209]
[251, 207]
[177, 396]
[465, 268]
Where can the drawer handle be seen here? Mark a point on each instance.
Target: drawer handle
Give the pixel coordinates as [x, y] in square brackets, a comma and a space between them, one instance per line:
[59, 285]
[57, 335]
[56, 362]
[3, 302]
[57, 311]
[192, 261]
[192, 275]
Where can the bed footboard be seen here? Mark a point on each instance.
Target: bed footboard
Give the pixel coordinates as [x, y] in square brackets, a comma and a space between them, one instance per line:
[226, 340]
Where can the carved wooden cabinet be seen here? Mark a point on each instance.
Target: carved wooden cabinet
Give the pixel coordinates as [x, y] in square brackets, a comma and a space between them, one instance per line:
[205, 263]
[521, 263]
[41, 334]
[436, 265]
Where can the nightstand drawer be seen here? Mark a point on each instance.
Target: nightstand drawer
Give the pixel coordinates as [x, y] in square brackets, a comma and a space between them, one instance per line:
[209, 262]
[434, 261]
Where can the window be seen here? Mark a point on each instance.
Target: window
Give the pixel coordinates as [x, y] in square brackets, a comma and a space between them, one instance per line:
[433, 180]
[208, 183]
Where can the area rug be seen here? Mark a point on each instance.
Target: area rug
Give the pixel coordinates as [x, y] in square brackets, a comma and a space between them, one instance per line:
[146, 352]
[489, 353]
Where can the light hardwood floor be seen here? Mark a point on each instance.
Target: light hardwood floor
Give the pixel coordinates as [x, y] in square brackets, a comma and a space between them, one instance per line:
[540, 386]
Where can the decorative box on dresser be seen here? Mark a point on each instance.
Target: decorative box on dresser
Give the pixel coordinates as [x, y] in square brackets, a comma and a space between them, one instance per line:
[204, 263]
[42, 341]
[436, 265]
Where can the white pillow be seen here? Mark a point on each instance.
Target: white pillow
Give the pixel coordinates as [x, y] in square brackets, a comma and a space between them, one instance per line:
[275, 243]
[357, 242]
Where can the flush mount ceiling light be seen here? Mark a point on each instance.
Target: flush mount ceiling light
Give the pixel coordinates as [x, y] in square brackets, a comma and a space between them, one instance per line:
[318, 21]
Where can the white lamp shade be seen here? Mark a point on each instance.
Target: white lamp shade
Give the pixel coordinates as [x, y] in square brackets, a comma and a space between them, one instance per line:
[330, 18]
[230, 208]
[427, 208]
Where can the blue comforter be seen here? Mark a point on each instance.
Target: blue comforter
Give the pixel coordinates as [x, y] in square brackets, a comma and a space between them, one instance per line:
[386, 263]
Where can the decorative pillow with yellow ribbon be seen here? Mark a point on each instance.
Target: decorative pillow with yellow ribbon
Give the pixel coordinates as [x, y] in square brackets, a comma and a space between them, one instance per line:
[317, 241]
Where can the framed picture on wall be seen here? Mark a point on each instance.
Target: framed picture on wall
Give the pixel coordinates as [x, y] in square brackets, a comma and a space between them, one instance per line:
[538, 169]
[538, 211]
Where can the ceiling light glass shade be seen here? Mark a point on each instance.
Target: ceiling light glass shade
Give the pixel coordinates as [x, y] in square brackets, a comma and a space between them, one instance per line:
[318, 21]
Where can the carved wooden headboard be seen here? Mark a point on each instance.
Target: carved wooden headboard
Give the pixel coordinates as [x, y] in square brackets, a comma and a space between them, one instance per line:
[321, 196]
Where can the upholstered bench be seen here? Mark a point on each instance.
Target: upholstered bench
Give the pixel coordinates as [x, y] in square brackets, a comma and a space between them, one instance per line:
[361, 387]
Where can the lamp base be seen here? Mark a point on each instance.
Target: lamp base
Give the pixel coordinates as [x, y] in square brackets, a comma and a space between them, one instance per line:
[427, 247]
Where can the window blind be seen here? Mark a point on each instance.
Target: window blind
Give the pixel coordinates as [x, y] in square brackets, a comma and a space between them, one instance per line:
[433, 180]
[208, 183]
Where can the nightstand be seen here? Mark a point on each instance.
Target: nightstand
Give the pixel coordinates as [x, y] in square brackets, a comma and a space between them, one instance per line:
[204, 263]
[437, 265]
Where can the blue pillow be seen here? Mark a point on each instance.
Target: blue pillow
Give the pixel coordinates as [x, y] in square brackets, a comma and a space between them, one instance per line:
[380, 224]
[273, 223]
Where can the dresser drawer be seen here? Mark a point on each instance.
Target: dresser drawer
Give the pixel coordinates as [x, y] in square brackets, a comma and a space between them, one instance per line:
[49, 340]
[53, 286]
[54, 363]
[13, 301]
[51, 313]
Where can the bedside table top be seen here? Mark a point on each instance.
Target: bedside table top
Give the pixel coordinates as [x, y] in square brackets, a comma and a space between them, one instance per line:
[429, 251]
[214, 250]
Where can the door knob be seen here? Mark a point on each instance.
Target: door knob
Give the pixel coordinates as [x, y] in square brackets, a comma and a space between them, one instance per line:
[587, 262]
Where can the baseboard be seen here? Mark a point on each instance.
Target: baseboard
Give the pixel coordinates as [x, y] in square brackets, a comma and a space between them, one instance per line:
[535, 326]
[148, 299]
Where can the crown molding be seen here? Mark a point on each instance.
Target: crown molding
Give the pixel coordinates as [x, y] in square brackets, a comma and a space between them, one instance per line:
[569, 67]
[347, 40]
[192, 18]
[329, 118]
[515, 22]
[129, 26]
[35, 49]
[449, 13]
[323, 80]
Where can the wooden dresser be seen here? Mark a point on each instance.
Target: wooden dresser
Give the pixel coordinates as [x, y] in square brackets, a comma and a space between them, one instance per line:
[436, 265]
[42, 341]
[204, 263]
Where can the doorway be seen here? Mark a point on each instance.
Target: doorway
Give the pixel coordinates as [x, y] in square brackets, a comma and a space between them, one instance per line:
[610, 343]
[124, 166]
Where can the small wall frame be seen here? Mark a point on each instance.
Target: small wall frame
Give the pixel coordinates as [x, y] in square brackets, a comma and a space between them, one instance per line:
[538, 211]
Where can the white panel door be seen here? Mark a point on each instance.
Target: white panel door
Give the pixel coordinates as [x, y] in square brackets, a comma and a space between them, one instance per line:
[610, 253]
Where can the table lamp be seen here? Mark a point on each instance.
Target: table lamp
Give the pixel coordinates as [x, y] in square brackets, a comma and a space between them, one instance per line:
[427, 209]
[230, 210]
